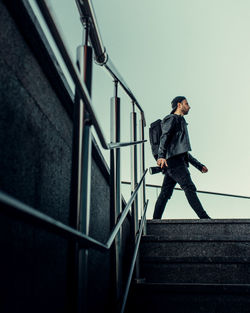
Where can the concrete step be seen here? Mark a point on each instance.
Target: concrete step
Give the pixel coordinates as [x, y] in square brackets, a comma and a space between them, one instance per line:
[189, 298]
[212, 270]
[208, 227]
[195, 246]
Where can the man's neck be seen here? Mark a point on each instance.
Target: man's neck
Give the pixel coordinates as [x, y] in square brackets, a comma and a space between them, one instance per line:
[177, 112]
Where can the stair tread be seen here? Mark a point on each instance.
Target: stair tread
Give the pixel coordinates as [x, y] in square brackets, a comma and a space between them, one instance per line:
[200, 221]
[189, 298]
[194, 287]
[194, 259]
[183, 238]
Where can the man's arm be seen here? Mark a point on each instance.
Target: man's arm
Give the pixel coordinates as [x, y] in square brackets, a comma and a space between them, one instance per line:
[196, 163]
[167, 128]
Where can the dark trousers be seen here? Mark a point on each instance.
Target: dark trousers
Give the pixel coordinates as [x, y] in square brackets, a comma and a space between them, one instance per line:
[180, 175]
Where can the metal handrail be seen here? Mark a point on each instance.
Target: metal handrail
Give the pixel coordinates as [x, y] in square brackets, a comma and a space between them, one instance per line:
[125, 212]
[29, 214]
[86, 10]
[198, 191]
[14, 207]
[134, 258]
[11, 206]
[116, 75]
[115, 145]
[83, 92]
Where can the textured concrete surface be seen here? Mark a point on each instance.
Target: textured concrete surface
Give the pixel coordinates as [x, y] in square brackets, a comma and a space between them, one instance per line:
[159, 298]
[35, 154]
[35, 131]
[213, 227]
[206, 272]
[195, 248]
[194, 266]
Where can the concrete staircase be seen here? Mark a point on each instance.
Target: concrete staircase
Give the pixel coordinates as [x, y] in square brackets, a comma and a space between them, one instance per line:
[193, 266]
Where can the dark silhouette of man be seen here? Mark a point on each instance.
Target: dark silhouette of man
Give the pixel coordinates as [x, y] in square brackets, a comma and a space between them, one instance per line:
[174, 157]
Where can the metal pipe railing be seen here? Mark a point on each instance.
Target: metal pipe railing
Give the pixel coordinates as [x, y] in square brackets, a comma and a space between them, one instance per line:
[86, 10]
[16, 209]
[133, 157]
[115, 188]
[134, 258]
[117, 76]
[134, 174]
[12, 207]
[80, 86]
[81, 169]
[142, 166]
[82, 90]
[125, 211]
[198, 191]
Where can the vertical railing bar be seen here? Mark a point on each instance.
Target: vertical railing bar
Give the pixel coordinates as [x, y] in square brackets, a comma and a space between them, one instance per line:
[81, 178]
[142, 167]
[56, 34]
[76, 198]
[134, 259]
[115, 189]
[134, 207]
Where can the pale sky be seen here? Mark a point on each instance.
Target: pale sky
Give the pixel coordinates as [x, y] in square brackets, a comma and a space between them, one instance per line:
[196, 48]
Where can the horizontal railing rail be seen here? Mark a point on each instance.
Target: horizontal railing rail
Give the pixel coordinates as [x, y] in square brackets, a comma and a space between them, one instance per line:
[198, 191]
[13, 207]
[82, 90]
[115, 145]
[86, 10]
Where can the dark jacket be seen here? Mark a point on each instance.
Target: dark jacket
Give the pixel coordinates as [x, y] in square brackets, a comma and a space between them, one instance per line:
[195, 162]
[175, 140]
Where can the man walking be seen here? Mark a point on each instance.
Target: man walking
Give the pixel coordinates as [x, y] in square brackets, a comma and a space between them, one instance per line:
[174, 154]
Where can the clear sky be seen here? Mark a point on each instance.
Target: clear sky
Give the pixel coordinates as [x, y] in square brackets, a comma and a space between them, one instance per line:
[196, 48]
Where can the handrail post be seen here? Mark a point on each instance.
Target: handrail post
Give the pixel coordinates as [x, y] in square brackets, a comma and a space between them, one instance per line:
[142, 169]
[84, 63]
[134, 179]
[115, 190]
[81, 175]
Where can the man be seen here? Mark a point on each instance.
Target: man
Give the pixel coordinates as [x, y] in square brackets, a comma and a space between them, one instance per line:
[174, 156]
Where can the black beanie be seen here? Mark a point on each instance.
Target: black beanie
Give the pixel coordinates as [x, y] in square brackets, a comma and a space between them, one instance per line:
[175, 101]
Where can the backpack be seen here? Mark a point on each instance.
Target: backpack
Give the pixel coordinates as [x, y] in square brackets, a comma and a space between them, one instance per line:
[154, 137]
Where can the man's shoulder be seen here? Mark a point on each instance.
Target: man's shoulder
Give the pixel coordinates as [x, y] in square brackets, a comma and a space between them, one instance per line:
[170, 118]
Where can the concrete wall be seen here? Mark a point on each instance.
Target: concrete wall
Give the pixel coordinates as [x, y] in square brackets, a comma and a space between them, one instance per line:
[35, 167]
[35, 154]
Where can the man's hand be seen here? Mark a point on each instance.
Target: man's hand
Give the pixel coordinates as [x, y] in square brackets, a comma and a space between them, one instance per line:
[204, 169]
[162, 162]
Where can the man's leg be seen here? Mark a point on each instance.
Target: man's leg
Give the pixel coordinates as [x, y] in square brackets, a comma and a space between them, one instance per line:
[182, 176]
[166, 193]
